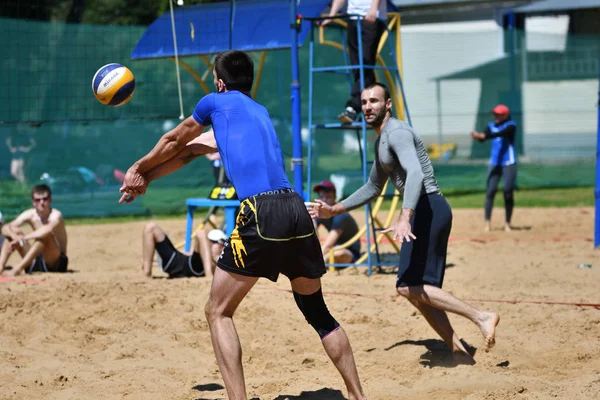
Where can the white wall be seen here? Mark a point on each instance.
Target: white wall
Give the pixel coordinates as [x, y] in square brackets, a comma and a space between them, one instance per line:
[550, 108]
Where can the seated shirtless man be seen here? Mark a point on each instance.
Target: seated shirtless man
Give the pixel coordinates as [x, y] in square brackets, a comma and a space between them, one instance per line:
[45, 248]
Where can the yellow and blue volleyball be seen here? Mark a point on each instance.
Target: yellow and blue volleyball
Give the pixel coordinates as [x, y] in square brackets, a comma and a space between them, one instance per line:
[113, 85]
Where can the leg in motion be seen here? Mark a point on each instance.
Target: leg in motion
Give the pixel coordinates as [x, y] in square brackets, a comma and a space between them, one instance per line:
[441, 300]
[493, 178]
[440, 323]
[509, 174]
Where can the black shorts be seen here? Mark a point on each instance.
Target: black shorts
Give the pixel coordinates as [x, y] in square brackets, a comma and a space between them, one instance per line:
[40, 265]
[423, 260]
[355, 254]
[177, 264]
[273, 234]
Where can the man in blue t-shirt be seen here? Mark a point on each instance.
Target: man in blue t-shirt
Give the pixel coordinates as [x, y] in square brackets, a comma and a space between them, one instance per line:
[503, 162]
[341, 228]
[274, 232]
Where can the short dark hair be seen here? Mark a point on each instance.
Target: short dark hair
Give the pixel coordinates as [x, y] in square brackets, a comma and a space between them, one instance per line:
[386, 90]
[41, 189]
[236, 69]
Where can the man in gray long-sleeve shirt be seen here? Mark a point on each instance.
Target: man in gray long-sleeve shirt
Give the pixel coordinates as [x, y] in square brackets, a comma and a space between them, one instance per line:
[426, 218]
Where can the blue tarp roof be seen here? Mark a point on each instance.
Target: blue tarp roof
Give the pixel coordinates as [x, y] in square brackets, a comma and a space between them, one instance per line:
[215, 27]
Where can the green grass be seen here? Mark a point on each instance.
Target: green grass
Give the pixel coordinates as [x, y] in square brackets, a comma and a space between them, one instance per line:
[169, 203]
[558, 197]
[555, 197]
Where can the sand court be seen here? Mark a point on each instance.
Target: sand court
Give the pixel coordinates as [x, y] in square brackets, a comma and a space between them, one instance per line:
[105, 332]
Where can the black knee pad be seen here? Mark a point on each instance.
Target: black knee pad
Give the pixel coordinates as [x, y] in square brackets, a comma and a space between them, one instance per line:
[316, 313]
[508, 195]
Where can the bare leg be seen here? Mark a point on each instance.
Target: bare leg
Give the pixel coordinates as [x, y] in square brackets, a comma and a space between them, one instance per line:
[487, 226]
[152, 235]
[439, 321]
[343, 256]
[202, 246]
[16, 170]
[437, 298]
[51, 250]
[34, 250]
[336, 344]
[5, 252]
[227, 292]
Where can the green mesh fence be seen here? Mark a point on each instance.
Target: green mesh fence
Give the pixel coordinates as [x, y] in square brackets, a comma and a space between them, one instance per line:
[452, 80]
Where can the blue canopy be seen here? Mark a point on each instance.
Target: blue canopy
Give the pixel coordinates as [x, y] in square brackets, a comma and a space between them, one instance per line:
[247, 25]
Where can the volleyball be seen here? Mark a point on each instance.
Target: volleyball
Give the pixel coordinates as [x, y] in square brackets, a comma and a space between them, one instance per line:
[113, 84]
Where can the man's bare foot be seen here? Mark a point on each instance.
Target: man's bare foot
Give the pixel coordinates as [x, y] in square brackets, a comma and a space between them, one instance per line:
[507, 228]
[487, 227]
[487, 325]
[10, 273]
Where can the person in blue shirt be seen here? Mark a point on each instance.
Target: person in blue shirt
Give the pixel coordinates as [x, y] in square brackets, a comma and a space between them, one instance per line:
[274, 232]
[503, 162]
[341, 228]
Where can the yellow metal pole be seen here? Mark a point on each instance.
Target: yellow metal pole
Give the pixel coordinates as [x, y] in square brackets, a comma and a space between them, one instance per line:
[402, 107]
[194, 74]
[261, 64]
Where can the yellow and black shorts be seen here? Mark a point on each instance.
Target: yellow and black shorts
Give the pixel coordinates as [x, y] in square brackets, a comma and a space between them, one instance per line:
[273, 234]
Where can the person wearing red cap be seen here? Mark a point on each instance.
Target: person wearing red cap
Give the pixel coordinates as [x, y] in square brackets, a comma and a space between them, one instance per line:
[341, 228]
[503, 162]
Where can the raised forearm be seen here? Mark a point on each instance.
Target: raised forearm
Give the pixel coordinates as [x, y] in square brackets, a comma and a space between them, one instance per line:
[337, 209]
[362, 196]
[169, 145]
[165, 150]
[10, 232]
[39, 233]
[509, 131]
[184, 157]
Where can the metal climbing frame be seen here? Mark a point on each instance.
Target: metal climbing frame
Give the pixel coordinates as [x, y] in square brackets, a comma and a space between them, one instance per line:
[394, 79]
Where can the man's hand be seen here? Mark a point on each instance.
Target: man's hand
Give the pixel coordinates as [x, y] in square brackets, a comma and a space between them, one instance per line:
[9, 273]
[134, 184]
[319, 209]
[16, 243]
[401, 230]
[371, 16]
[327, 21]
[478, 136]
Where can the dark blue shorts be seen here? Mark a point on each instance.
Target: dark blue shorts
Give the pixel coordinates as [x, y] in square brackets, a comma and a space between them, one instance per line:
[423, 260]
[40, 265]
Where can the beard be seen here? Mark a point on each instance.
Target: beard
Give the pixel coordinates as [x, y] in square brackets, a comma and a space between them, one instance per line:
[379, 117]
